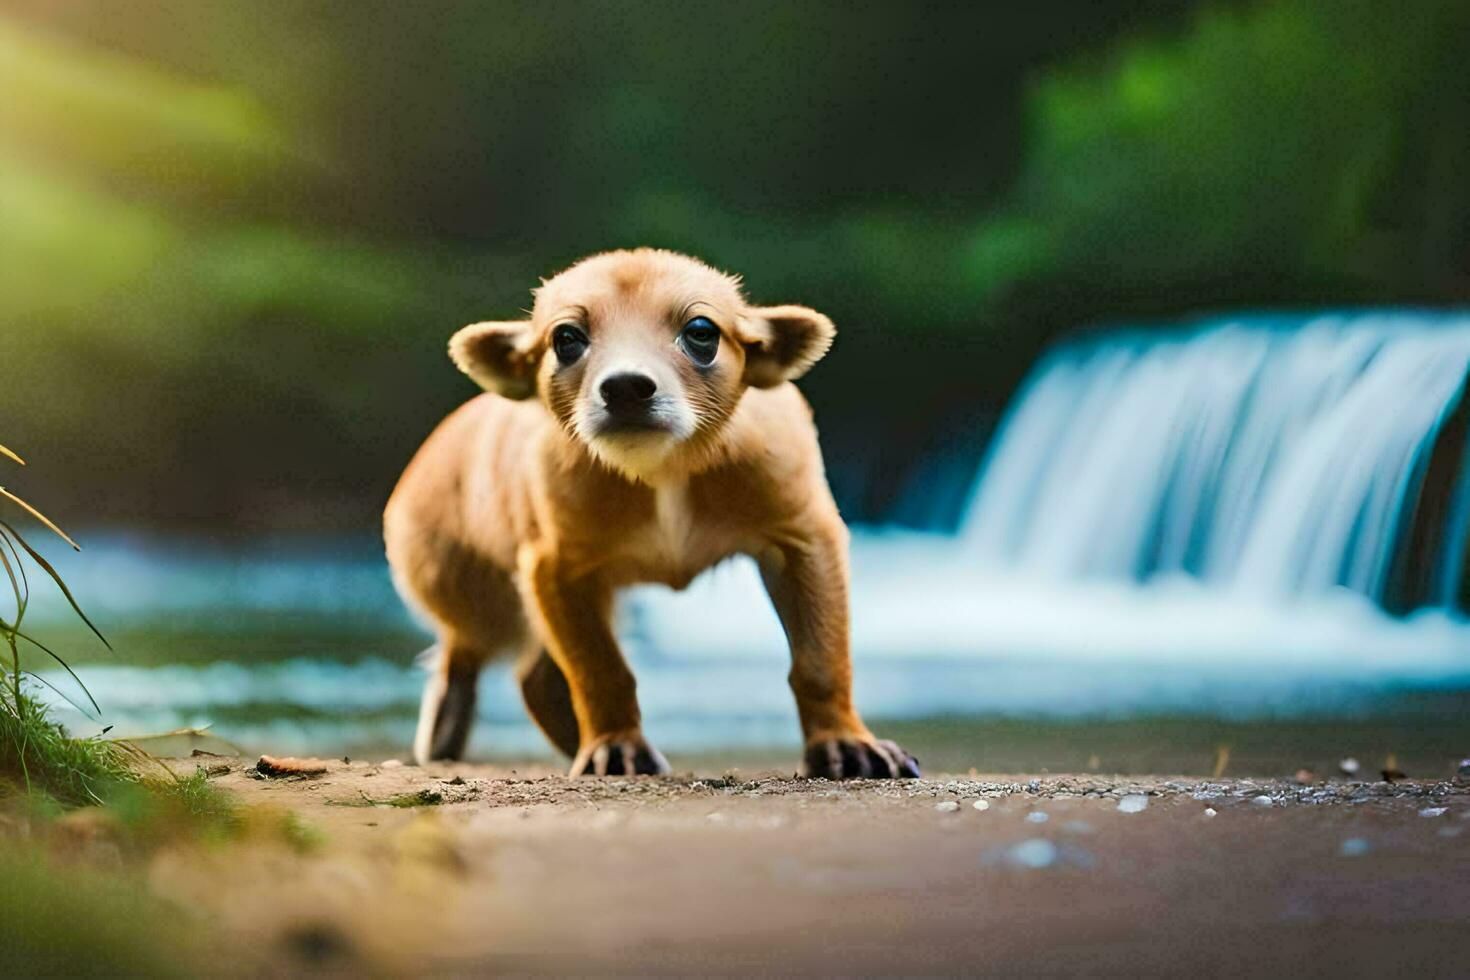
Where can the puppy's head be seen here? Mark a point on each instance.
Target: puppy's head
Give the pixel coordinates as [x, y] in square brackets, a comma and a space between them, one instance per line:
[642, 355]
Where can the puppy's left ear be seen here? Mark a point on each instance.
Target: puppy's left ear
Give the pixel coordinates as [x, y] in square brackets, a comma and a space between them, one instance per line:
[782, 342]
[500, 357]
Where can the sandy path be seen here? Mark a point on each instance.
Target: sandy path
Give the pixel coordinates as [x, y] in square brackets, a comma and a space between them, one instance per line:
[531, 872]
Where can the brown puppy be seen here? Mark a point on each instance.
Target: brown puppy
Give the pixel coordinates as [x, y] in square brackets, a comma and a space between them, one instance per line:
[640, 428]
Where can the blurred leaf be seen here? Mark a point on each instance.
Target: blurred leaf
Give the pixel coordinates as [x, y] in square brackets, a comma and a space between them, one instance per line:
[121, 115]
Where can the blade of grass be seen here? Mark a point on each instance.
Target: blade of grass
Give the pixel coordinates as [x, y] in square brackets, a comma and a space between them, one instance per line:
[55, 577]
[20, 566]
[20, 609]
[62, 694]
[40, 517]
[12, 455]
[21, 596]
[55, 656]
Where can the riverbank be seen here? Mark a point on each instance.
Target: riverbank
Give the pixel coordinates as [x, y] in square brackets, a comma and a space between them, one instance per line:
[476, 868]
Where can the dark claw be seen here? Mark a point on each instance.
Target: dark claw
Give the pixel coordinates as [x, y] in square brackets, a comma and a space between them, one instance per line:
[621, 758]
[645, 763]
[616, 755]
[852, 759]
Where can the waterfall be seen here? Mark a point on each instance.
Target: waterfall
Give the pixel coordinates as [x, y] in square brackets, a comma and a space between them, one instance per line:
[1279, 456]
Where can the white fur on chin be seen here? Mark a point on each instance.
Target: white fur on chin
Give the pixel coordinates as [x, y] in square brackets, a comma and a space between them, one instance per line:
[641, 456]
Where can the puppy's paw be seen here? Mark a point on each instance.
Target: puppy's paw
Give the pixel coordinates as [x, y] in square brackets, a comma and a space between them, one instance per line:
[857, 758]
[626, 755]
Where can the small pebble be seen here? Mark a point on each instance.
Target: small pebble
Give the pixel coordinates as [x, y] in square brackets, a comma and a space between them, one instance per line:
[1263, 800]
[391, 764]
[1034, 786]
[1353, 847]
[948, 806]
[981, 804]
[1349, 767]
[1434, 811]
[1034, 853]
[1037, 816]
[1209, 811]
[1133, 803]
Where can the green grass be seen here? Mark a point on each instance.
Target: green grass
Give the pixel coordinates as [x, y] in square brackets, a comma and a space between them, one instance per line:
[35, 752]
[38, 756]
[53, 770]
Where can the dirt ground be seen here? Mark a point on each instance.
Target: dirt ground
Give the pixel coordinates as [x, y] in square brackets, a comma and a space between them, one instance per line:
[468, 869]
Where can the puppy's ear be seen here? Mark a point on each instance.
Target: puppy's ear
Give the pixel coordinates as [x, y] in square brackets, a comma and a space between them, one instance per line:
[500, 357]
[781, 342]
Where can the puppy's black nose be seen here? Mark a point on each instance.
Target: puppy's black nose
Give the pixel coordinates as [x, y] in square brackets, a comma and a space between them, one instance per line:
[627, 391]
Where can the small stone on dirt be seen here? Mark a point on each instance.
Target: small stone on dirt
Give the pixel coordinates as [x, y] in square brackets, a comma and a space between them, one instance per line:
[1035, 853]
[1037, 816]
[947, 806]
[1434, 811]
[1209, 811]
[1349, 767]
[981, 804]
[1263, 800]
[1133, 803]
[288, 767]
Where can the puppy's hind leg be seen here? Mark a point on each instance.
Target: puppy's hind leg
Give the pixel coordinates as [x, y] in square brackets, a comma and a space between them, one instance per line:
[447, 710]
[548, 699]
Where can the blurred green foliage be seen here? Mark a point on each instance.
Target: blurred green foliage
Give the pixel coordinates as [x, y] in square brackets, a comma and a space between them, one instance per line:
[234, 237]
[61, 920]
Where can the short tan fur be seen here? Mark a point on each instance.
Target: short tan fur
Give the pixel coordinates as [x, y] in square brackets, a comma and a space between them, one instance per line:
[639, 426]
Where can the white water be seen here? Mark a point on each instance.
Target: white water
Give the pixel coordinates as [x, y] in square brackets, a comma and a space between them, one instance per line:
[1199, 523]
[1266, 457]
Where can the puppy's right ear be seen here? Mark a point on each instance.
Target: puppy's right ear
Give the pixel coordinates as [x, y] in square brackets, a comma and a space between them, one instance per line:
[500, 357]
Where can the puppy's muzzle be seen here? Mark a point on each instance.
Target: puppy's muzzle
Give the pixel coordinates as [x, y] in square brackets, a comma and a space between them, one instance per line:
[630, 399]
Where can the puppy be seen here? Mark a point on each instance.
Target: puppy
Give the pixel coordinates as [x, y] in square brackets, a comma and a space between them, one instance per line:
[641, 426]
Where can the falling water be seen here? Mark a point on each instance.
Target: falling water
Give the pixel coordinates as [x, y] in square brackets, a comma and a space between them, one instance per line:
[1273, 456]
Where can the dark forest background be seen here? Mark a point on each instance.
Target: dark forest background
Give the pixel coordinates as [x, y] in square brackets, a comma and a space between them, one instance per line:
[234, 237]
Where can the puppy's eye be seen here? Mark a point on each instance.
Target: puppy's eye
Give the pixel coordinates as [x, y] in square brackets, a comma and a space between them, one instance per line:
[569, 342]
[701, 340]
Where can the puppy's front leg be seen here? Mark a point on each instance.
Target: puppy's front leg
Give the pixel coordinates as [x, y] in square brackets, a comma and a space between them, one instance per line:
[575, 616]
[807, 582]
